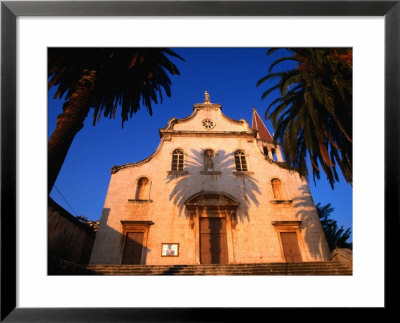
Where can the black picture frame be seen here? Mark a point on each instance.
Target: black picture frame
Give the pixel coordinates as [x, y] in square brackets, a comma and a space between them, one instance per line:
[10, 10]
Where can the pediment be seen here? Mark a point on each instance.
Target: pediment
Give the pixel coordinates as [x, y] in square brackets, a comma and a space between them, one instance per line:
[210, 199]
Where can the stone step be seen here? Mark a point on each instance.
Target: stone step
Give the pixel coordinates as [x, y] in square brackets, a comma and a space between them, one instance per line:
[322, 263]
[305, 268]
[216, 268]
[298, 273]
[225, 272]
[222, 272]
[235, 274]
[277, 272]
[302, 264]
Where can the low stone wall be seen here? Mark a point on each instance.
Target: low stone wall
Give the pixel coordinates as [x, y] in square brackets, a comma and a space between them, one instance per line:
[68, 238]
[60, 267]
[342, 255]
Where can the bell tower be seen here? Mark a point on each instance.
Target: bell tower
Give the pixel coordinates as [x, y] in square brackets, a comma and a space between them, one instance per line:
[264, 139]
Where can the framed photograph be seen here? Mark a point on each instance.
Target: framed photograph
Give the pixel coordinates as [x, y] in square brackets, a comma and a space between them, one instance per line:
[170, 249]
[20, 302]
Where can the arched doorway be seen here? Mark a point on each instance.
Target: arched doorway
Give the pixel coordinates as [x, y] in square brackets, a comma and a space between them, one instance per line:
[215, 215]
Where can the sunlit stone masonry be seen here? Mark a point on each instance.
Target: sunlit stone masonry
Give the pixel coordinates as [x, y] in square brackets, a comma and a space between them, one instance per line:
[216, 191]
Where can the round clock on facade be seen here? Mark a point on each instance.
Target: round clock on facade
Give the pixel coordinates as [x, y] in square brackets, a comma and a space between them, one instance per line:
[208, 124]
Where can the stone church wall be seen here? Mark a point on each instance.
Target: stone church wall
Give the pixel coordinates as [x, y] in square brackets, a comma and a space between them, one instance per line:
[253, 234]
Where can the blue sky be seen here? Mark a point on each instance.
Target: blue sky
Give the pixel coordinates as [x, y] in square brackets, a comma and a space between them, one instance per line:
[228, 74]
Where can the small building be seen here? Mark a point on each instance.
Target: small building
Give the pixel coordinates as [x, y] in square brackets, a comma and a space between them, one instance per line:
[68, 238]
[215, 191]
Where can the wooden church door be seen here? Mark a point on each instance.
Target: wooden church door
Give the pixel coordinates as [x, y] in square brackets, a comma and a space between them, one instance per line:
[213, 243]
[290, 247]
[133, 248]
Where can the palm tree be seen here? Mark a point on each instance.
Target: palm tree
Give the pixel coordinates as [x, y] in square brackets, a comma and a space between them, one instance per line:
[102, 79]
[313, 114]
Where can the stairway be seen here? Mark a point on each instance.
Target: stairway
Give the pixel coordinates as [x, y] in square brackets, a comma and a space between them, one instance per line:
[282, 269]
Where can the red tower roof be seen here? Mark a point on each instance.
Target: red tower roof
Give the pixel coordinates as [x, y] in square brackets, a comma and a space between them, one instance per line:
[258, 124]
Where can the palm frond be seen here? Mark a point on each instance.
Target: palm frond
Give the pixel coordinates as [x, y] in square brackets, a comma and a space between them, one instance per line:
[313, 114]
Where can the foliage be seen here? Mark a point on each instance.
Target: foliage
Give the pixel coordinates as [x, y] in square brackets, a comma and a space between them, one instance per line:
[336, 237]
[123, 76]
[313, 113]
[82, 218]
[92, 226]
[102, 79]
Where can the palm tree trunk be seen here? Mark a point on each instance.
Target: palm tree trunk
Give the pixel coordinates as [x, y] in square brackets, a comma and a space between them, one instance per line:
[75, 111]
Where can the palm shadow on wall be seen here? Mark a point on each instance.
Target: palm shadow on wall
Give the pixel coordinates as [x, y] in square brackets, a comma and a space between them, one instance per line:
[118, 241]
[225, 164]
[307, 214]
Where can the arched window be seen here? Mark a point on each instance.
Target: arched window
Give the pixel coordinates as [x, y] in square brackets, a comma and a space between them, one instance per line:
[240, 161]
[143, 189]
[208, 160]
[177, 160]
[277, 189]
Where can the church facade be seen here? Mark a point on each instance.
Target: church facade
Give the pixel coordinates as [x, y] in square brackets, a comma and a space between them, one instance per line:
[215, 191]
